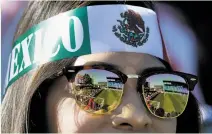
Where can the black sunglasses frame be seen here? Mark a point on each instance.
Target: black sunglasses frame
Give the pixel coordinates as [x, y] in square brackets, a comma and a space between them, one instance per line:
[190, 79]
[71, 71]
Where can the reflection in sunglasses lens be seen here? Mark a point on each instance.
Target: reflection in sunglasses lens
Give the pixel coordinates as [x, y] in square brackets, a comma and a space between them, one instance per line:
[97, 91]
[166, 95]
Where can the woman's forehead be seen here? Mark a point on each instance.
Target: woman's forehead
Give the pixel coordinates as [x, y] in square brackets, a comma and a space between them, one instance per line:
[128, 62]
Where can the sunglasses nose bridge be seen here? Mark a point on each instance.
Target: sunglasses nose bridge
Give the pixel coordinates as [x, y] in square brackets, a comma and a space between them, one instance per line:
[130, 76]
[133, 78]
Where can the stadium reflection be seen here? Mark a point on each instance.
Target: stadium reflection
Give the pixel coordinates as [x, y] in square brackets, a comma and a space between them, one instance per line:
[97, 90]
[166, 95]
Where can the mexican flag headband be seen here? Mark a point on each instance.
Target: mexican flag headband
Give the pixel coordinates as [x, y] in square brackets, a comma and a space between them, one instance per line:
[82, 31]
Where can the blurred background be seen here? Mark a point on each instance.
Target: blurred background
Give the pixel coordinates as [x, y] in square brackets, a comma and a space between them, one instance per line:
[196, 49]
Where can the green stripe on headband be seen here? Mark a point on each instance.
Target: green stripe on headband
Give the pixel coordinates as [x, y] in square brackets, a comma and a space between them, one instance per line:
[63, 36]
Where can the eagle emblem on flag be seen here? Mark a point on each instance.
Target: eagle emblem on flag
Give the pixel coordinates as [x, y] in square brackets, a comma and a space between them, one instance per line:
[131, 29]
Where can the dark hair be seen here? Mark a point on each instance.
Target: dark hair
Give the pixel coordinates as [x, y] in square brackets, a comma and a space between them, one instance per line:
[33, 121]
[189, 121]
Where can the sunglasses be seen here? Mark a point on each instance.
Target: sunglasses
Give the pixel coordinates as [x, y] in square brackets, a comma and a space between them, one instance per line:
[98, 89]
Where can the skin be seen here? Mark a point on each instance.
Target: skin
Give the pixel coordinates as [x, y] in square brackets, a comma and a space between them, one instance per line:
[64, 116]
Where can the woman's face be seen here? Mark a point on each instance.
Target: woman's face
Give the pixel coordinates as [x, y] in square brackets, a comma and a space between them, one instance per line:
[64, 116]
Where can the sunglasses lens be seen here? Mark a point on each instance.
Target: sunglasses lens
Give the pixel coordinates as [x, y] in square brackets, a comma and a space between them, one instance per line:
[97, 91]
[166, 95]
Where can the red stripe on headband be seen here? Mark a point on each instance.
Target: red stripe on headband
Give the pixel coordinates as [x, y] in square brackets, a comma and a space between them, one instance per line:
[165, 54]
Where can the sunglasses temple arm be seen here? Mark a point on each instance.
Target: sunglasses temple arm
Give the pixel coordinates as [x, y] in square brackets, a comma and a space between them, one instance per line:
[192, 82]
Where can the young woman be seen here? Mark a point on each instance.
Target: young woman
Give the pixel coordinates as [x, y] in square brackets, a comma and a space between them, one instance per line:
[128, 88]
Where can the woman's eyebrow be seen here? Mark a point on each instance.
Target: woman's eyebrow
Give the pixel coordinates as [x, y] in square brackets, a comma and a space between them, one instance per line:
[152, 69]
[116, 67]
[104, 64]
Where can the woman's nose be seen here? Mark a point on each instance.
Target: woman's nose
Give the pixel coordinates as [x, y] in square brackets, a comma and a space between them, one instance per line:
[131, 114]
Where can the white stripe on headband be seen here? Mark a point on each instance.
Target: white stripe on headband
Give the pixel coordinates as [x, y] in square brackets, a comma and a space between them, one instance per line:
[87, 30]
[142, 21]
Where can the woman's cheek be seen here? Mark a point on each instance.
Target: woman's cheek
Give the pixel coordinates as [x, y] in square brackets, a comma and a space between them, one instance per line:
[71, 119]
[164, 125]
